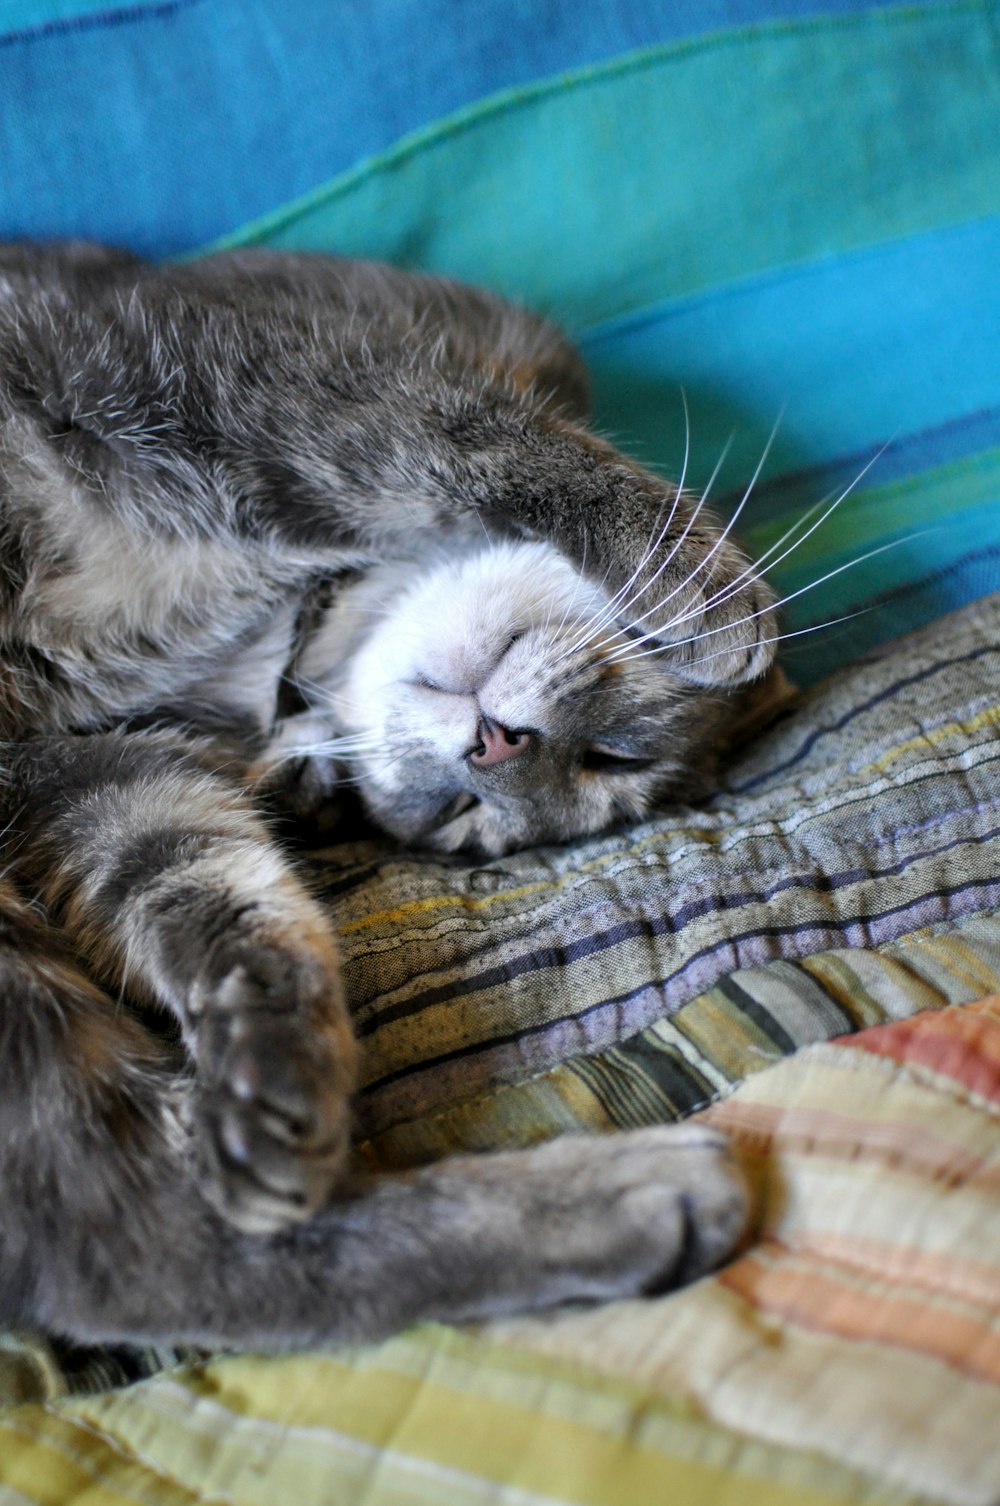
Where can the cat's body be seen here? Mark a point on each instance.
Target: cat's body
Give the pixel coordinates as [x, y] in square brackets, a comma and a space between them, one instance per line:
[263, 520]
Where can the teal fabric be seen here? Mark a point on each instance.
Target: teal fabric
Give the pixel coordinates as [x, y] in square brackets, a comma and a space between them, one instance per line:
[894, 345]
[685, 167]
[162, 123]
[782, 207]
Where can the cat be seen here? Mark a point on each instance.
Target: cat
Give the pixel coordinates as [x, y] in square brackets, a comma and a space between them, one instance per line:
[269, 525]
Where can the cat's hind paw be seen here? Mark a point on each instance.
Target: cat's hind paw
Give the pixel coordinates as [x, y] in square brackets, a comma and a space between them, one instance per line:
[275, 1070]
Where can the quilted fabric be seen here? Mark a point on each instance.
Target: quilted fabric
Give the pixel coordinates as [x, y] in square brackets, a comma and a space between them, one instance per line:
[850, 1356]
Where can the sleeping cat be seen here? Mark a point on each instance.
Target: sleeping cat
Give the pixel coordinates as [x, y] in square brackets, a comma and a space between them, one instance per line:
[269, 523]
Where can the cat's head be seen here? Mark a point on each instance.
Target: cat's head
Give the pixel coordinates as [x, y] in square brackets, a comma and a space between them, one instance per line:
[494, 697]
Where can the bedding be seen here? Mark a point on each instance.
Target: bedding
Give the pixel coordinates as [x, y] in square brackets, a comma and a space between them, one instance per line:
[782, 207]
[850, 1356]
[835, 884]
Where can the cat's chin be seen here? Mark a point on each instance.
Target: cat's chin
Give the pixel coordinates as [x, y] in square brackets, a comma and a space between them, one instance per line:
[430, 816]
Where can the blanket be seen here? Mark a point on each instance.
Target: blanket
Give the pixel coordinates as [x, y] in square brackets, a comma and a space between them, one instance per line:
[703, 961]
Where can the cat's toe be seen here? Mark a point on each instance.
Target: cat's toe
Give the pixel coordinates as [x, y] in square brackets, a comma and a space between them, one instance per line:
[273, 1105]
[276, 1130]
[711, 1196]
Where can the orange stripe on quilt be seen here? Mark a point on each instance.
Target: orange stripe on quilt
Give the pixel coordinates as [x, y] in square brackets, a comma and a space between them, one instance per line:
[824, 1302]
[761, 1129]
[963, 1044]
[940, 1272]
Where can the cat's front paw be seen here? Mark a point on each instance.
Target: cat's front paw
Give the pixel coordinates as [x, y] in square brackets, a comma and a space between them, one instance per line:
[698, 596]
[275, 1070]
[298, 774]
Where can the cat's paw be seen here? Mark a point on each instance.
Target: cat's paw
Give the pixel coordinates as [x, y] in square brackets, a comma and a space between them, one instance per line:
[694, 1186]
[297, 774]
[275, 1063]
[583, 1218]
[630, 1214]
[700, 597]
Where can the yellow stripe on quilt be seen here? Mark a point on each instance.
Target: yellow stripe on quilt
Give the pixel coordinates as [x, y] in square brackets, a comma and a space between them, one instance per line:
[49, 1460]
[933, 737]
[442, 1418]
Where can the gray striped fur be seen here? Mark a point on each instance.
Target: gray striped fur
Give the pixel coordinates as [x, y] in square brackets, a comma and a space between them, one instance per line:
[235, 499]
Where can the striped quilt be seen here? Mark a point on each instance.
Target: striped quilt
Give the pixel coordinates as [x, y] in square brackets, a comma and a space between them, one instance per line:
[851, 1356]
[788, 211]
[723, 959]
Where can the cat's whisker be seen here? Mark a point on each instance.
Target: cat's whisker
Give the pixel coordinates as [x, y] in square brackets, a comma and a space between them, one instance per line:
[384, 766]
[611, 609]
[331, 748]
[814, 627]
[323, 693]
[586, 625]
[609, 617]
[728, 627]
[577, 587]
[720, 541]
[647, 585]
[755, 572]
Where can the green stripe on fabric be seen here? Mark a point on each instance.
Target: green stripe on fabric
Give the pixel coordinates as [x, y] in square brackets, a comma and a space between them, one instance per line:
[589, 171]
[958, 501]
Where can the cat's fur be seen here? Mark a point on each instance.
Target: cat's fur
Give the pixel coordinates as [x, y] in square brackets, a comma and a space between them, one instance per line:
[264, 520]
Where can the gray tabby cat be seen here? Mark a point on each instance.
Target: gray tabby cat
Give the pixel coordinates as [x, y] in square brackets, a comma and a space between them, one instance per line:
[265, 519]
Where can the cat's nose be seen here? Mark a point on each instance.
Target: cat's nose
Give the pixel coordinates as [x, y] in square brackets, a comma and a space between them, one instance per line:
[497, 743]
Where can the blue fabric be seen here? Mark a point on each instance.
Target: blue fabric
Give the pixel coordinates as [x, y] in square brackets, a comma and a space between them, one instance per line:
[161, 126]
[895, 340]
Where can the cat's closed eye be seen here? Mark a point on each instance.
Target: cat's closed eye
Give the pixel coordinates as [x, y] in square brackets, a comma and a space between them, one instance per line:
[605, 760]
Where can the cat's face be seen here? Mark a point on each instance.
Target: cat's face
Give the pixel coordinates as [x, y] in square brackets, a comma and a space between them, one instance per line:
[492, 701]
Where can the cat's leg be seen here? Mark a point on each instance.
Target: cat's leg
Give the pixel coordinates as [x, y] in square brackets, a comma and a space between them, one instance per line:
[466, 327]
[487, 432]
[168, 882]
[341, 432]
[108, 1231]
[84, 265]
[82, 1108]
[473, 1237]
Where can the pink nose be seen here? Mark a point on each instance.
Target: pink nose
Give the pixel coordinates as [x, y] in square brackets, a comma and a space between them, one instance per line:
[497, 744]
